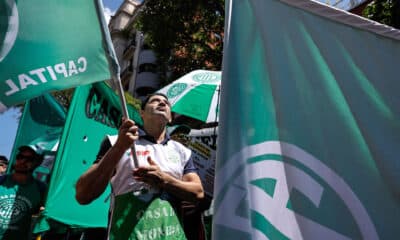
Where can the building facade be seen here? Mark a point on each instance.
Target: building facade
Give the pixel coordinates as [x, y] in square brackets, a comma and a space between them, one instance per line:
[138, 63]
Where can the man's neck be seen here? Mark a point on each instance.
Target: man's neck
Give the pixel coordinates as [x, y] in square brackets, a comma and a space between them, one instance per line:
[21, 177]
[157, 132]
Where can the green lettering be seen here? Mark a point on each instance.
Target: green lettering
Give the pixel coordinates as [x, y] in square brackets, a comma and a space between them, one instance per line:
[92, 104]
[102, 114]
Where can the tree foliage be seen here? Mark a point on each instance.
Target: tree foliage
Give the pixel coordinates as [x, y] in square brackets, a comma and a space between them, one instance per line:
[384, 11]
[185, 35]
[64, 97]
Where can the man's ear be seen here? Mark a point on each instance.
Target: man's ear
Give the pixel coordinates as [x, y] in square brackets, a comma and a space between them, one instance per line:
[172, 117]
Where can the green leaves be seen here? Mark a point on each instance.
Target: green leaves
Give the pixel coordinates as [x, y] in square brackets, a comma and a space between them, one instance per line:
[383, 11]
[185, 35]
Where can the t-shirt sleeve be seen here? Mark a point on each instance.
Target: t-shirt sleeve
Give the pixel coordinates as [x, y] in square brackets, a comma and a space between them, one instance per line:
[190, 166]
[105, 145]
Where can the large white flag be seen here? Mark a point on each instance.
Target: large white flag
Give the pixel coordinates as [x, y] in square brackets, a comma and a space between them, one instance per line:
[309, 139]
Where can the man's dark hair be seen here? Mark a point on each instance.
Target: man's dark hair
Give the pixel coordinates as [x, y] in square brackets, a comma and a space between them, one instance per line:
[37, 156]
[146, 100]
[3, 159]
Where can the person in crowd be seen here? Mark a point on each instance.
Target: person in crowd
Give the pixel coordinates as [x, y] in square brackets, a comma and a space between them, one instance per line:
[3, 164]
[144, 198]
[21, 195]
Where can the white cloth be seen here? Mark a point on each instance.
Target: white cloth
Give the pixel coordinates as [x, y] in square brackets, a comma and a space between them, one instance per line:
[171, 157]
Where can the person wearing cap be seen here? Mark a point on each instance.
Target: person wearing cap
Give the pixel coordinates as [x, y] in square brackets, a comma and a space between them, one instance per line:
[143, 197]
[3, 165]
[21, 195]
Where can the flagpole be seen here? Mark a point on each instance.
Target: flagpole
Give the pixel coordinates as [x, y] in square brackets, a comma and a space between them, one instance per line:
[115, 70]
[126, 115]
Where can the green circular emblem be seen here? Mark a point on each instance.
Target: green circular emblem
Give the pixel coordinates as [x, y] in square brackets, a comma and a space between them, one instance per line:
[9, 24]
[176, 89]
[207, 77]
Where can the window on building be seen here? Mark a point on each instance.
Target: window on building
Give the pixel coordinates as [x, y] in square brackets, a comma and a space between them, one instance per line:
[144, 91]
[148, 67]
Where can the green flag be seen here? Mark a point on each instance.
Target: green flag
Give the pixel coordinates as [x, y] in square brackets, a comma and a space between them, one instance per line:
[309, 137]
[50, 45]
[42, 130]
[93, 113]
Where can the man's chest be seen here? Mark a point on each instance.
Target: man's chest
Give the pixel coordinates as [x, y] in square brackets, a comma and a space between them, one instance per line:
[16, 202]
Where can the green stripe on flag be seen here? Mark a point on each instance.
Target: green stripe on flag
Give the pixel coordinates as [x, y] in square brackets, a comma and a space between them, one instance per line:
[193, 102]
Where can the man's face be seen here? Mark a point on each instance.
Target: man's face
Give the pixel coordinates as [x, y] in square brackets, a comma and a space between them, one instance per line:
[157, 105]
[3, 167]
[25, 162]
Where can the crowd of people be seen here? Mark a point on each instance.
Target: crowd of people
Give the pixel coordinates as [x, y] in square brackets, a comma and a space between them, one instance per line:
[21, 195]
[161, 198]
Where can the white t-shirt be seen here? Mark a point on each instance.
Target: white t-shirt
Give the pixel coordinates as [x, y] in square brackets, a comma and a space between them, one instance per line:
[171, 156]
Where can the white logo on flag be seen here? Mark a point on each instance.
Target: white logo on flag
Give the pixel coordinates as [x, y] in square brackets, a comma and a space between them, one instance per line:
[274, 208]
[11, 29]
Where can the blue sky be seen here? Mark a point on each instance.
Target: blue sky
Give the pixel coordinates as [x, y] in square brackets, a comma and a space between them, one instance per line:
[112, 4]
[8, 129]
[9, 119]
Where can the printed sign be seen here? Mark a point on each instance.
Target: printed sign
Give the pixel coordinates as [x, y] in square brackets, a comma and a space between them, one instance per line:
[203, 144]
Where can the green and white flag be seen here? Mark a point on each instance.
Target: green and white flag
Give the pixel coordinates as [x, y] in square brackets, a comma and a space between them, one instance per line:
[309, 134]
[50, 45]
[95, 112]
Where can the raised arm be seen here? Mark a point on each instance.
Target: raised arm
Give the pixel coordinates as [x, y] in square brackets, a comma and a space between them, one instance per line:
[94, 181]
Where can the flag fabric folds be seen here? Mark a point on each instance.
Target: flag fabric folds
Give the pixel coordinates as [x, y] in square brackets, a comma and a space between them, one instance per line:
[42, 130]
[70, 142]
[94, 112]
[309, 132]
[50, 45]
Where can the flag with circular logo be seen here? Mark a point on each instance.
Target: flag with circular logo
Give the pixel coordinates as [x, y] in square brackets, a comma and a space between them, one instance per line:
[309, 134]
